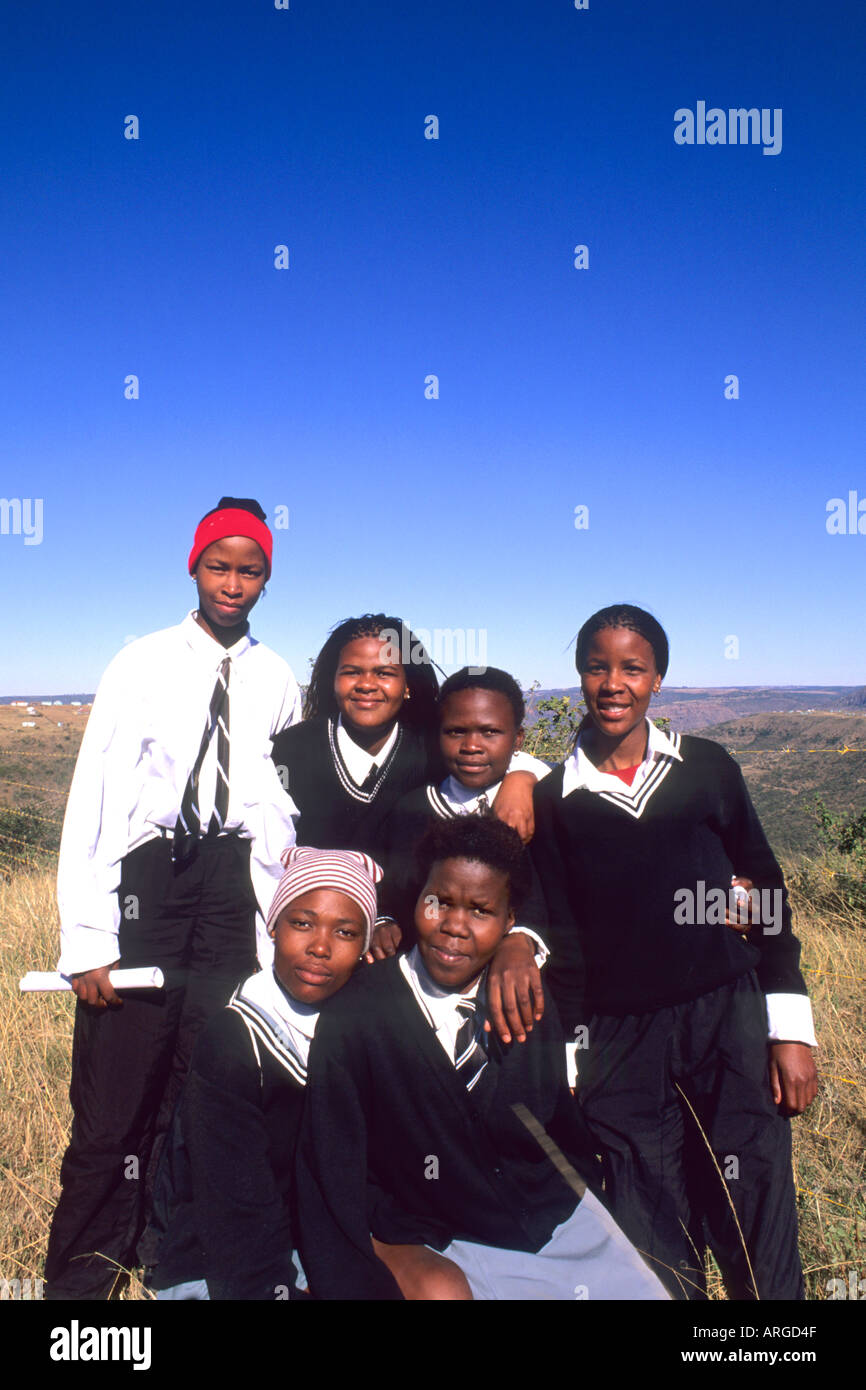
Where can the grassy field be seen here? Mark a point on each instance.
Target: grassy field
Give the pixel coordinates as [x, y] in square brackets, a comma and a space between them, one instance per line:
[36, 1035]
[36, 1030]
[35, 1051]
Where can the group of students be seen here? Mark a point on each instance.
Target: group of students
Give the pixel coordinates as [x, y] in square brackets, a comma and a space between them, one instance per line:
[397, 1054]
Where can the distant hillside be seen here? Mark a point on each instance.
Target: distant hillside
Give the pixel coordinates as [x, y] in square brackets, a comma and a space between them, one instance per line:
[37, 757]
[787, 758]
[690, 708]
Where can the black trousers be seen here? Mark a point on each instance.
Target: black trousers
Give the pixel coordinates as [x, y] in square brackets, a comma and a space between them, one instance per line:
[196, 922]
[661, 1182]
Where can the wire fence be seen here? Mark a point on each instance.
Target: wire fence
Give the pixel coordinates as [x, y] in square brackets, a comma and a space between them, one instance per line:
[38, 836]
[30, 834]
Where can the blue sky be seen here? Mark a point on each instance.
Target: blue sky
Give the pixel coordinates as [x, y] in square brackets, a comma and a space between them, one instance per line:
[558, 387]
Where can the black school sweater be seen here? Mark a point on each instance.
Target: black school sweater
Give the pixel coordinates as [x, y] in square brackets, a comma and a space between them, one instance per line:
[334, 812]
[383, 1101]
[399, 889]
[610, 869]
[224, 1186]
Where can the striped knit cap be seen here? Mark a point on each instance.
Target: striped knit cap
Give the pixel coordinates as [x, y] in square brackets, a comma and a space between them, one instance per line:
[342, 870]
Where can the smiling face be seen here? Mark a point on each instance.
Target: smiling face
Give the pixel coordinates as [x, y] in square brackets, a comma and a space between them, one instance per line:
[618, 679]
[461, 916]
[230, 576]
[318, 940]
[477, 736]
[369, 690]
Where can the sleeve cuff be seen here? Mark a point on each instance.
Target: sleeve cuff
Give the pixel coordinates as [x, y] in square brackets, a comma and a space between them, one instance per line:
[88, 952]
[525, 762]
[789, 1019]
[541, 951]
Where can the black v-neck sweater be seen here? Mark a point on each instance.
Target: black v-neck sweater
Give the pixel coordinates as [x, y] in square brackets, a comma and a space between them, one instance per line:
[334, 812]
[400, 837]
[613, 880]
[392, 1142]
[222, 1199]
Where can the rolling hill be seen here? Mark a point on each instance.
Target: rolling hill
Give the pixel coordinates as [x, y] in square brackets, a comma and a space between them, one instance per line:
[788, 758]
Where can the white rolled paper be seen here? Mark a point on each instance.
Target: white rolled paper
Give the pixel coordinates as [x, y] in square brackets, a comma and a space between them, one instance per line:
[142, 977]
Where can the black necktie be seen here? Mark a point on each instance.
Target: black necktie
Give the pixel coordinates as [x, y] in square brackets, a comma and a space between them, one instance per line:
[369, 781]
[470, 1058]
[188, 827]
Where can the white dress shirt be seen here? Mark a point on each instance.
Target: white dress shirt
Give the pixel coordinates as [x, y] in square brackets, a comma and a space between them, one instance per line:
[463, 801]
[789, 1016]
[138, 750]
[358, 761]
[438, 1006]
[581, 772]
[293, 1021]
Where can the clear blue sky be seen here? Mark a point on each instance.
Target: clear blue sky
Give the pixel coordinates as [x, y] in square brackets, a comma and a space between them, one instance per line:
[558, 387]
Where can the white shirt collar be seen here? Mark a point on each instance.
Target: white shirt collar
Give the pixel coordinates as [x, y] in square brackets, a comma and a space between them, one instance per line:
[207, 646]
[438, 1004]
[581, 773]
[294, 1023]
[357, 760]
[464, 800]
[265, 990]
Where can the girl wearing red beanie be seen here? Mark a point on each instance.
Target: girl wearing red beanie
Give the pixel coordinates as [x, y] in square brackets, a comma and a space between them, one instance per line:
[174, 826]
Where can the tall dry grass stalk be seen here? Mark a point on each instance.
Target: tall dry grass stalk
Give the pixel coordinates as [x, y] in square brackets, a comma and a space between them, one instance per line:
[35, 1045]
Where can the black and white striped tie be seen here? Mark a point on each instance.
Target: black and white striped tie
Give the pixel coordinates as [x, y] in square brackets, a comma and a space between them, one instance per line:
[470, 1058]
[482, 805]
[188, 827]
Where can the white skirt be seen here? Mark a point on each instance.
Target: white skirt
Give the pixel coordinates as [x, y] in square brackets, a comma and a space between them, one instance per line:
[587, 1257]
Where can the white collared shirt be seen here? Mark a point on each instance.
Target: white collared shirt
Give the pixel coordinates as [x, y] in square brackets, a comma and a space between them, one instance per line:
[789, 1016]
[437, 1005]
[294, 1020]
[463, 801]
[580, 772]
[138, 750]
[357, 760]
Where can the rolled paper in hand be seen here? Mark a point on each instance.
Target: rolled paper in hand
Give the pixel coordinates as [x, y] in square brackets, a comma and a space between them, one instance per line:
[142, 977]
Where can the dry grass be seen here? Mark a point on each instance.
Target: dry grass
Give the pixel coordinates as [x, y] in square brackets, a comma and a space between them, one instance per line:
[36, 1036]
[829, 1147]
[35, 1048]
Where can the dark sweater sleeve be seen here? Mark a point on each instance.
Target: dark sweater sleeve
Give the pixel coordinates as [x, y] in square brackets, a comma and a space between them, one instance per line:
[533, 910]
[749, 851]
[398, 891]
[331, 1176]
[241, 1219]
[566, 971]
[285, 749]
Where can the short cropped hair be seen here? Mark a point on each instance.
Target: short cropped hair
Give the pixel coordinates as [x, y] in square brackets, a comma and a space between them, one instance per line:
[489, 679]
[484, 839]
